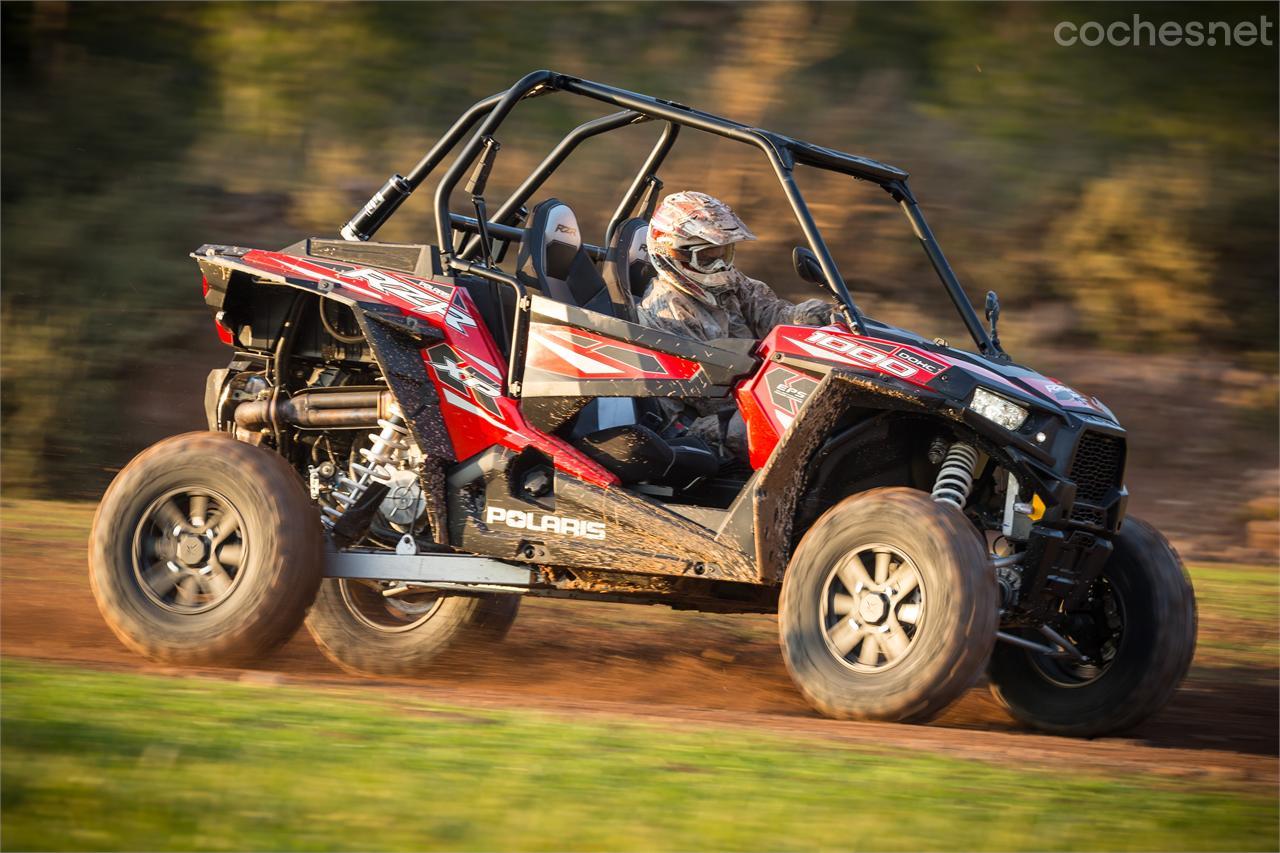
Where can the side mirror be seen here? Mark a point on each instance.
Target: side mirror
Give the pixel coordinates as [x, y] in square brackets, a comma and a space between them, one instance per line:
[993, 317]
[807, 266]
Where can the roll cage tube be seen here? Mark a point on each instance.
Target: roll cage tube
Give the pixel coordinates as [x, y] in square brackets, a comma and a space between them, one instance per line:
[906, 200]
[501, 225]
[774, 147]
[378, 210]
[550, 163]
[647, 173]
[526, 85]
[784, 153]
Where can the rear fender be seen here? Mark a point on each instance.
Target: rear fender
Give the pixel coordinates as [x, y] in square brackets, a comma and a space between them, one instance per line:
[424, 333]
[395, 340]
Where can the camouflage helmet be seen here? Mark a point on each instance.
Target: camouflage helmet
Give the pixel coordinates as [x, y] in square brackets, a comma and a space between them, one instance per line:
[691, 240]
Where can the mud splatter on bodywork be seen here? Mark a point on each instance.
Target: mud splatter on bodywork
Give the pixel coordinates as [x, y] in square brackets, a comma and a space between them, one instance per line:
[492, 514]
[785, 477]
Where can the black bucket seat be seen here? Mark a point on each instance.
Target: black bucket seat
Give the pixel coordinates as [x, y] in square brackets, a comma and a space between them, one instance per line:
[626, 268]
[553, 260]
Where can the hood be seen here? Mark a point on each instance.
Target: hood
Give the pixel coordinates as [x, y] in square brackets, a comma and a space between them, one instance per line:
[1008, 378]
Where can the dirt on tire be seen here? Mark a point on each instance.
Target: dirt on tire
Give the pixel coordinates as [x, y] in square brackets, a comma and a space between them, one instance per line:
[402, 646]
[268, 506]
[953, 639]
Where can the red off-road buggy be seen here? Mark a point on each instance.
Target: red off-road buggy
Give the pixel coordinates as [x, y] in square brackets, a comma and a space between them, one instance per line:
[410, 437]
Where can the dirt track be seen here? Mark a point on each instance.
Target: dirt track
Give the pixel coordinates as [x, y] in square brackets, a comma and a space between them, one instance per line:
[679, 669]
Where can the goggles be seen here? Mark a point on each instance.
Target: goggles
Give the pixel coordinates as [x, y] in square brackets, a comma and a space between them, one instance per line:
[708, 259]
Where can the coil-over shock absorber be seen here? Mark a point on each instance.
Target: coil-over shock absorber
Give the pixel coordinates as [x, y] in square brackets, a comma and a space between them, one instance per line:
[385, 449]
[955, 477]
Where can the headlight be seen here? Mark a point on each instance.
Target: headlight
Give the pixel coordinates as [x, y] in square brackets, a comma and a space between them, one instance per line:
[997, 409]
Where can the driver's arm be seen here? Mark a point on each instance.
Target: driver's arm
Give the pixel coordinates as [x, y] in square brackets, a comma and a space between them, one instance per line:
[763, 309]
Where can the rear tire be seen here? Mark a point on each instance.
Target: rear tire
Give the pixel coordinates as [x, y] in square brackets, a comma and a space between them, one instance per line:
[894, 638]
[1151, 650]
[365, 633]
[205, 550]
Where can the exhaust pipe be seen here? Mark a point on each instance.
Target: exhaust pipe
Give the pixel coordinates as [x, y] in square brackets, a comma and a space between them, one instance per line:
[339, 409]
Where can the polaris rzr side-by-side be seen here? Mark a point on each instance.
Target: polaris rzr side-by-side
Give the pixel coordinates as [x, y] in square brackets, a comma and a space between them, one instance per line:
[408, 438]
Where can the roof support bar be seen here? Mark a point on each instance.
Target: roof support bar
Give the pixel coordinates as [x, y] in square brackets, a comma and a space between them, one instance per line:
[523, 87]
[784, 154]
[397, 190]
[907, 201]
[765, 142]
[445, 144]
[595, 127]
[659, 153]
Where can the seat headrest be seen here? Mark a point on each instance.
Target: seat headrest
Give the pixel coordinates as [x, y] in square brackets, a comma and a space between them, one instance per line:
[553, 260]
[551, 242]
[560, 237]
[628, 262]
[634, 249]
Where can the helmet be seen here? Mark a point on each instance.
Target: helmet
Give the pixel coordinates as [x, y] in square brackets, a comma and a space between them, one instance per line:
[691, 242]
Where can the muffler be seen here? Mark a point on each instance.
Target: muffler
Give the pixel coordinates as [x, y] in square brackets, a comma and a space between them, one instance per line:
[341, 408]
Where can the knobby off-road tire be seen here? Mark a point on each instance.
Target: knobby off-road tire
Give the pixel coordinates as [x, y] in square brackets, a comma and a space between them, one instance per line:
[365, 633]
[205, 550]
[938, 588]
[1151, 655]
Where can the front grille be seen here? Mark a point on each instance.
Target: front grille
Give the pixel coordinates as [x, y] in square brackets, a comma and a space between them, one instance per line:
[1098, 467]
[1088, 515]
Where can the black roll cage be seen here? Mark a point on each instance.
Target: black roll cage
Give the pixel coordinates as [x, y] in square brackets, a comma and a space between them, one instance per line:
[783, 153]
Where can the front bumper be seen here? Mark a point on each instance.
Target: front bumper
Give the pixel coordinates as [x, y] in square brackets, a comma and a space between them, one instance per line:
[1083, 492]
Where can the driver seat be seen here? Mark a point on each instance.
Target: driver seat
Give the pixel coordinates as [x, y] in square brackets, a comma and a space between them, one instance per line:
[637, 454]
[627, 269]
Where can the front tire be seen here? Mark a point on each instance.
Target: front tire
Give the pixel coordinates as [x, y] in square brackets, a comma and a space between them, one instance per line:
[367, 633]
[1140, 615]
[205, 550]
[888, 608]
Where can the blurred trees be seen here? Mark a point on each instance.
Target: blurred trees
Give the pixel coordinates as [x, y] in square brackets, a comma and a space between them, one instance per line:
[1129, 257]
[1137, 186]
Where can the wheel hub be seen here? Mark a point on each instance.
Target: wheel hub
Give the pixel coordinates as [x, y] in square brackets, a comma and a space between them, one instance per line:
[1096, 628]
[379, 606]
[188, 549]
[873, 608]
[193, 550]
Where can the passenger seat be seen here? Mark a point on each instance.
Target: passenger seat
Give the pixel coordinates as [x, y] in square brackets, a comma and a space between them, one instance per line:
[553, 261]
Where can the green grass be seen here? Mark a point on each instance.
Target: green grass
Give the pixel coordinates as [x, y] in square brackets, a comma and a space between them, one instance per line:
[108, 761]
[27, 522]
[1239, 609]
[1238, 592]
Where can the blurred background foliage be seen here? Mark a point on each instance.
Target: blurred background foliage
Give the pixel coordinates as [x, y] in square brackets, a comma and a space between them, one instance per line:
[1117, 198]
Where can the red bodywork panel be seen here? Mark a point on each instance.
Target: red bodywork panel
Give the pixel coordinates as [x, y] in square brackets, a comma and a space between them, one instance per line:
[468, 368]
[770, 400]
[470, 376]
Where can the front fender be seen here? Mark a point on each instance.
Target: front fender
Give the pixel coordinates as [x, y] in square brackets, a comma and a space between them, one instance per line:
[779, 484]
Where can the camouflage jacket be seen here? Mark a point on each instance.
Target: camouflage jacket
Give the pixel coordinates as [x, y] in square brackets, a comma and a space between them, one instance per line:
[747, 308]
